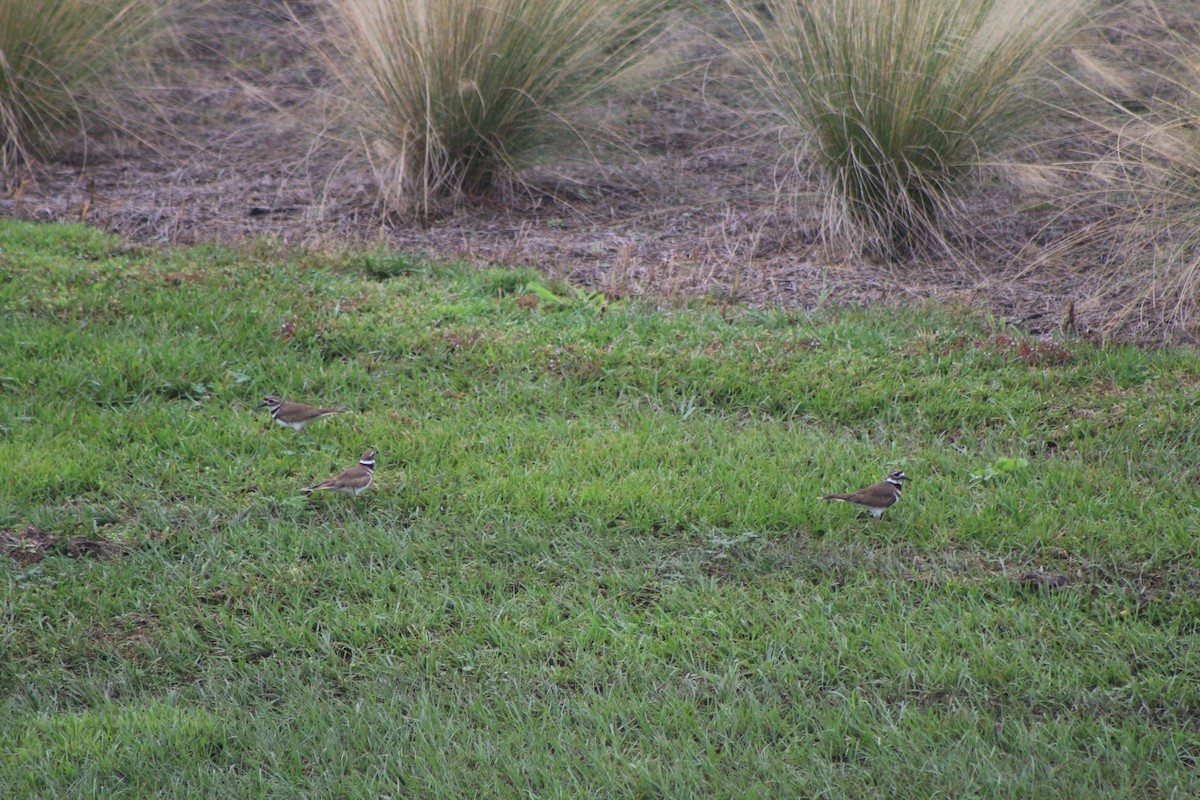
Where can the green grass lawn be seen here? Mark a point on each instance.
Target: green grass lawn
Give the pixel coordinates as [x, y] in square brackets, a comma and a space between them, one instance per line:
[594, 562]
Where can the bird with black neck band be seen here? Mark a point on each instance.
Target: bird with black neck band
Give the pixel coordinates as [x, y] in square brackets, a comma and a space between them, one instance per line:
[876, 498]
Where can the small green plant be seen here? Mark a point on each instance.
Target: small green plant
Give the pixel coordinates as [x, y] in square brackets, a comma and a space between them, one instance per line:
[1000, 468]
[896, 101]
[456, 94]
[53, 53]
[720, 548]
[578, 298]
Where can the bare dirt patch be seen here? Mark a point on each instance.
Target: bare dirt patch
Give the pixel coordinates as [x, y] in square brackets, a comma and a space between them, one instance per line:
[243, 143]
[128, 634]
[1031, 352]
[26, 547]
[31, 545]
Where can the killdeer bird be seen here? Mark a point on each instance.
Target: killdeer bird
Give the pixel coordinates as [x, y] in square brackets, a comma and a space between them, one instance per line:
[876, 498]
[352, 481]
[296, 415]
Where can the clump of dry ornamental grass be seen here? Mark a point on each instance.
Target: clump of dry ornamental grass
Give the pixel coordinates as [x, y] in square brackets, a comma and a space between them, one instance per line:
[454, 95]
[898, 101]
[1147, 187]
[53, 55]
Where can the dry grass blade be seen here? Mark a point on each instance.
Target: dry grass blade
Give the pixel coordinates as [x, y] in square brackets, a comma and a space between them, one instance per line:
[453, 94]
[898, 101]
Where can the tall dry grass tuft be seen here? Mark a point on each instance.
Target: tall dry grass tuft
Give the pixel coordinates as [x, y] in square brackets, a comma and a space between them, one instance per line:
[1146, 189]
[454, 94]
[897, 101]
[53, 54]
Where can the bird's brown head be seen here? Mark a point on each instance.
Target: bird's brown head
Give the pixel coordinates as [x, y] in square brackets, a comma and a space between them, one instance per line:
[898, 476]
[270, 402]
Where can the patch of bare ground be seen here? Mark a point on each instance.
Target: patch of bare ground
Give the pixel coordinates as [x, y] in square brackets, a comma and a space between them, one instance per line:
[31, 545]
[241, 139]
[128, 633]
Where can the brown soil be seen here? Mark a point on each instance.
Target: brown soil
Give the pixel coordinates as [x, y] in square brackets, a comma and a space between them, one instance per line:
[242, 146]
[31, 545]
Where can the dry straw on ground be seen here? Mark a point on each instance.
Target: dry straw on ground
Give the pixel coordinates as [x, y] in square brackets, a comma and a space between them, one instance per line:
[1144, 188]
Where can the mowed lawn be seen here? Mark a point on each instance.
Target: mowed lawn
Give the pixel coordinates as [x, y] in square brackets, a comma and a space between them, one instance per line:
[594, 563]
